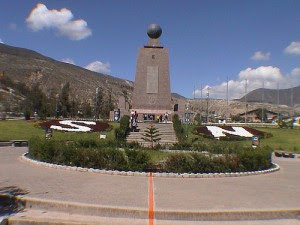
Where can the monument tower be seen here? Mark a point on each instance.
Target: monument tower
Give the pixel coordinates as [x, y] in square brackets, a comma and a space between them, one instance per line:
[151, 94]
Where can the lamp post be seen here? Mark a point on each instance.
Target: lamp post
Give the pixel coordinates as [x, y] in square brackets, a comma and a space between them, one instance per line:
[186, 118]
[207, 96]
[96, 103]
[56, 106]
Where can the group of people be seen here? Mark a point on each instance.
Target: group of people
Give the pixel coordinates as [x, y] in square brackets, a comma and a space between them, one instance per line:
[159, 118]
[162, 118]
[133, 120]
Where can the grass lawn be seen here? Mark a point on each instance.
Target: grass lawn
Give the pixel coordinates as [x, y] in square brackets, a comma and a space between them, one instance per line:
[283, 138]
[21, 129]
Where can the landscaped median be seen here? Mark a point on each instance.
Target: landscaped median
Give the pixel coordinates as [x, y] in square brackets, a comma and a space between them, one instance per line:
[106, 157]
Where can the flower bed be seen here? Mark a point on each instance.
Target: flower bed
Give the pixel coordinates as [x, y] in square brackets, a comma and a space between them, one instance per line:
[229, 132]
[75, 126]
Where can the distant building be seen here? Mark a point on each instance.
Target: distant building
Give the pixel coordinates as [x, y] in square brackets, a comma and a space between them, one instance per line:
[256, 115]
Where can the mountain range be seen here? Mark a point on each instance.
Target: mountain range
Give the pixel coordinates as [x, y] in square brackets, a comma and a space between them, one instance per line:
[289, 97]
[30, 67]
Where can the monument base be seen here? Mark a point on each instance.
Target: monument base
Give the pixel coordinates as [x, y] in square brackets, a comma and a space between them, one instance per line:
[153, 111]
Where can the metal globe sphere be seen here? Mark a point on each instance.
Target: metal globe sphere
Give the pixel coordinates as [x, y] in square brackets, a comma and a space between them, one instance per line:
[154, 31]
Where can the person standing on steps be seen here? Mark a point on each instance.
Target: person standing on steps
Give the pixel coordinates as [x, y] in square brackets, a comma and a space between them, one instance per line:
[166, 117]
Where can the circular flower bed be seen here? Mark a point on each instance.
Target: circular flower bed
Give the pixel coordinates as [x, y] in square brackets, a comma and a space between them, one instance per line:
[229, 132]
[75, 126]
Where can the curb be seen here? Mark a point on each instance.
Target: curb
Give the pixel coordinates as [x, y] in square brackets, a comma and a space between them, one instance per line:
[275, 168]
[140, 213]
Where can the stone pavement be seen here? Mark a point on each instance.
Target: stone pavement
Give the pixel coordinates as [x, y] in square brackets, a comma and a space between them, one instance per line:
[275, 191]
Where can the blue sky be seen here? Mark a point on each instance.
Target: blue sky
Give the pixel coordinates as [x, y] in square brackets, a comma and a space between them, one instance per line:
[249, 41]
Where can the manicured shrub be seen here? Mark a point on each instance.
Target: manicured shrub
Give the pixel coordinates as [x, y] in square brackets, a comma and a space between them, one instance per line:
[244, 160]
[138, 160]
[133, 145]
[179, 163]
[208, 158]
[87, 143]
[182, 146]
[254, 159]
[179, 131]
[122, 131]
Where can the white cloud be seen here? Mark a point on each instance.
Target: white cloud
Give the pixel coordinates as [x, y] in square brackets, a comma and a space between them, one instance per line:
[98, 66]
[268, 76]
[60, 20]
[1, 42]
[68, 60]
[293, 48]
[258, 56]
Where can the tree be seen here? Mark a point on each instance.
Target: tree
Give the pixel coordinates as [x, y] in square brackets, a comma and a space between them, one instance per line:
[261, 114]
[36, 97]
[151, 135]
[86, 110]
[236, 118]
[74, 108]
[108, 105]
[198, 119]
[64, 100]
[99, 103]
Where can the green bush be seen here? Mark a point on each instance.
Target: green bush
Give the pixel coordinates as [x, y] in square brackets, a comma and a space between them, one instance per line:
[105, 155]
[133, 145]
[179, 163]
[247, 159]
[179, 131]
[93, 143]
[254, 159]
[122, 131]
[88, 153]
[181, 146]
[138, 160]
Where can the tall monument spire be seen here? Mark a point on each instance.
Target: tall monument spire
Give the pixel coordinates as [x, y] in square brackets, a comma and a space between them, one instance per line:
[152, 93]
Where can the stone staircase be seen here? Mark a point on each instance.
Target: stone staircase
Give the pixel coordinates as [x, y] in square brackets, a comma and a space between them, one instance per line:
[165, 130]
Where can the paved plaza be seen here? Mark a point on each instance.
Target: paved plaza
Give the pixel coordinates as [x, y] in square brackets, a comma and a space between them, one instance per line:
[278, 191]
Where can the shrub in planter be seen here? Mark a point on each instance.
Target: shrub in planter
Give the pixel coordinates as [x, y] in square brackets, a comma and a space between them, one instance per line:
[254, 159]
[87, 143]
[122, 131]
[179, 131]
[110, 159]
[133, 145]
[138, 160]
[181, 146]
[27, 114]
[179, 163]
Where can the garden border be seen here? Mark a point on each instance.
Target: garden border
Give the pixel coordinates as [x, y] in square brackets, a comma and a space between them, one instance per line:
[24, 157]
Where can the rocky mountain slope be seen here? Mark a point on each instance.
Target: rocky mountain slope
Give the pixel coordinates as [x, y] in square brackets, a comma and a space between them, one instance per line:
[270, 96]
[31, 67]
[219, 107]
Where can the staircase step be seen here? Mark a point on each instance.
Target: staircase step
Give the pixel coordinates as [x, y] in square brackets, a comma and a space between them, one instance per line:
[165, 131]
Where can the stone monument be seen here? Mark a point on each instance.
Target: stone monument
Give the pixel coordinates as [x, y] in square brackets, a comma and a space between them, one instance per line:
[151, 94]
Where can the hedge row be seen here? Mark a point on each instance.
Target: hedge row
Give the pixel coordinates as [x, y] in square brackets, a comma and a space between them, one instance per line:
[214, 147]
[178, 128]
[243, 160]
[122, 131]
[103, 155]
[88, 154]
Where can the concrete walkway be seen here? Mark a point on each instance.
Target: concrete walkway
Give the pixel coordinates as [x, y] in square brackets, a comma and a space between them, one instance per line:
[275, 191]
